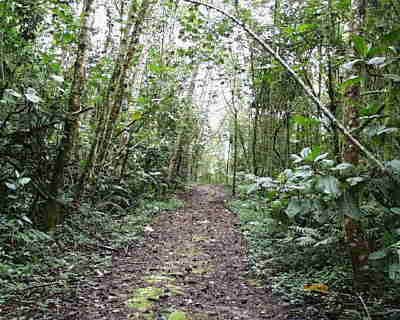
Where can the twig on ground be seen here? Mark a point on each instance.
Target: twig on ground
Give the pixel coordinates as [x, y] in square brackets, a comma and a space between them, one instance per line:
[365, 307]
[99, 246]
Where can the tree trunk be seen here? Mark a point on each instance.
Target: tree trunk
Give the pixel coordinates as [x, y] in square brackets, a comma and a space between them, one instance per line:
[118, 87]
[333, 103]
[115, 92]
[228, 160]
[173, 164]
[358, 247]
[53, 211]
[235, 151]
[254, 144]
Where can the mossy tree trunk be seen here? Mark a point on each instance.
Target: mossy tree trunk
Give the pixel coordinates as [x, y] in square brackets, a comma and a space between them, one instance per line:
[115, 92]
[118, 91]
[53, 211]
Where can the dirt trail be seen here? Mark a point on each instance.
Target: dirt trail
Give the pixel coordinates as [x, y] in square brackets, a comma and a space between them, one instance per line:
[192, 264]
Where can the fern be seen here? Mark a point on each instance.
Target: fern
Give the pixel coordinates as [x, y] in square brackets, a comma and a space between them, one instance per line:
[312, 237]
[327, 241]
[309, 232]
[306, 241]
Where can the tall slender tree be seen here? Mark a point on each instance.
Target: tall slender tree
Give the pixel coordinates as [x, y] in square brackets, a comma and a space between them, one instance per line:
[53, 212]
[358, 246]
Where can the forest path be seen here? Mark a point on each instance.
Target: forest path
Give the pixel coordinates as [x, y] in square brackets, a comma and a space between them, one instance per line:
[192, 265]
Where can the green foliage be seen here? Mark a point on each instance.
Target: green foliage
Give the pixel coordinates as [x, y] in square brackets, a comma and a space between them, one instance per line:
[178, 315]
[294, 224]
[144, 298]
[290, 257]
[304, 121]
[169, 204]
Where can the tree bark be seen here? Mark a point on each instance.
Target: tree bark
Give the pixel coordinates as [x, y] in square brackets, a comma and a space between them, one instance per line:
[254, 143]
[115, 92]
[331, 81]
[235, 147]
[53, 211]
[358, 247]
[173, 163]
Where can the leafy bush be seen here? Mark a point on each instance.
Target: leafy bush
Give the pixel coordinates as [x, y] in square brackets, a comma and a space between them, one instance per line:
[293, 224]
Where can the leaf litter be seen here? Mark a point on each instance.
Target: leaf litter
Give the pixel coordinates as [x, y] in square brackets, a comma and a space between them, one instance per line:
[192, 264]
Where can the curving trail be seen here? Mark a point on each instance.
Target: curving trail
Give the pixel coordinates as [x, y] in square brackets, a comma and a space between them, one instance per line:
[192, 262]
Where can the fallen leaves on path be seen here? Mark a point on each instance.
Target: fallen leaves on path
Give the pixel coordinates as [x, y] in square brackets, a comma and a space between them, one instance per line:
[191, 265]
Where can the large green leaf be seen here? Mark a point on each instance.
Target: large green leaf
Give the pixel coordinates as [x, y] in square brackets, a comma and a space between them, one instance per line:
[351, 81]
[393, 77]
[328, 185]
[297, 206]
[321, 157]
[370, 109]
[24, 180]
[351, 64]
[327, 163]
[354, 180]
[296, 158]
[307, 27]
[136, 115]
[360, 45]
[302, 173]
[305, 121]
[13, 93]
[315, 152]
[394, 271]
[394, 166]
[11, 186]
[377, 61]
[385, 130]
[343, 167]
[395, 210]
[32, 96]
[294, 207]
[377, 255]
[305, 152]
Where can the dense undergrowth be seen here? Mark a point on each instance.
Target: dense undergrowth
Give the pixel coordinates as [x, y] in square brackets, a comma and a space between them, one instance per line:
[37, 267]
[288, 266]
[293, 224]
